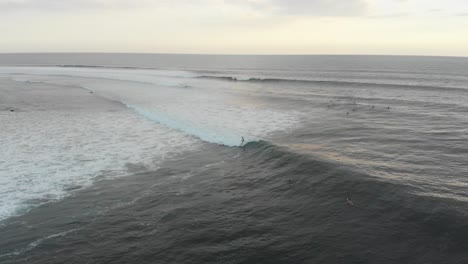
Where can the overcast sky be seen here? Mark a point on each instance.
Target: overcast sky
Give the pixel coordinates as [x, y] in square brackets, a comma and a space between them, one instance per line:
[410, 27]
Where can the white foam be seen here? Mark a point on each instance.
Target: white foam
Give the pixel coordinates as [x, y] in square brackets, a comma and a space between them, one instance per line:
[43, 153]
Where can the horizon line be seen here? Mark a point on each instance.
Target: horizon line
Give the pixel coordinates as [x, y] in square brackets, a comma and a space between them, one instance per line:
[235, 54]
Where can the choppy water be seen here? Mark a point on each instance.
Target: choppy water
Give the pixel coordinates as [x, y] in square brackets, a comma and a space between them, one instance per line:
[115, 158]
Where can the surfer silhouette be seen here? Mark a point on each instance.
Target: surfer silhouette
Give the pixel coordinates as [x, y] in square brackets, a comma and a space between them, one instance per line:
[242, 142]
[349, 202]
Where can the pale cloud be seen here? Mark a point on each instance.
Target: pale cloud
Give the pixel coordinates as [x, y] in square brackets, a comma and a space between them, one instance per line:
[278, 7]
[308, 7]
[236, 26]
[322, 7]
[312, 8]
[71, 5]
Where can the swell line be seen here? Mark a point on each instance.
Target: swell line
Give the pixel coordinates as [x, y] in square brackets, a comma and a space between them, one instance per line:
[349, 83]
[97, 78]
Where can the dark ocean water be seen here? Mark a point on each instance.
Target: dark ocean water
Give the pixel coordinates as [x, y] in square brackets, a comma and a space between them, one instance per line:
[119, 158]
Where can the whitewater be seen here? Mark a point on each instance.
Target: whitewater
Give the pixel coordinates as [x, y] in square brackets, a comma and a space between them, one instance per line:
[47, 150]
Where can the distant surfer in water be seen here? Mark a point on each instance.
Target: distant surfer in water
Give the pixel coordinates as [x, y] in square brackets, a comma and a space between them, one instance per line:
[349, 202]
[242, 142]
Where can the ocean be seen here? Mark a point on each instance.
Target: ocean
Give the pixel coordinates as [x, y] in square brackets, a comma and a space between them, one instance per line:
[152, 158]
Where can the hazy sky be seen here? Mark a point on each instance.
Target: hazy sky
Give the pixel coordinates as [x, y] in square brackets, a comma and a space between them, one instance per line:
[419, 27]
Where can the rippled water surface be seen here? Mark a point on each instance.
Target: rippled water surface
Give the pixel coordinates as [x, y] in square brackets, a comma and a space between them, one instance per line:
[119, 158]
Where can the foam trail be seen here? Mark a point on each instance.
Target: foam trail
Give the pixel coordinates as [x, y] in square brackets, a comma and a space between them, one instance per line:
[34, 244]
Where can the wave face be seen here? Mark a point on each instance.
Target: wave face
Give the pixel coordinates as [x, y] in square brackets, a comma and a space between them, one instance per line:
[177, 116]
